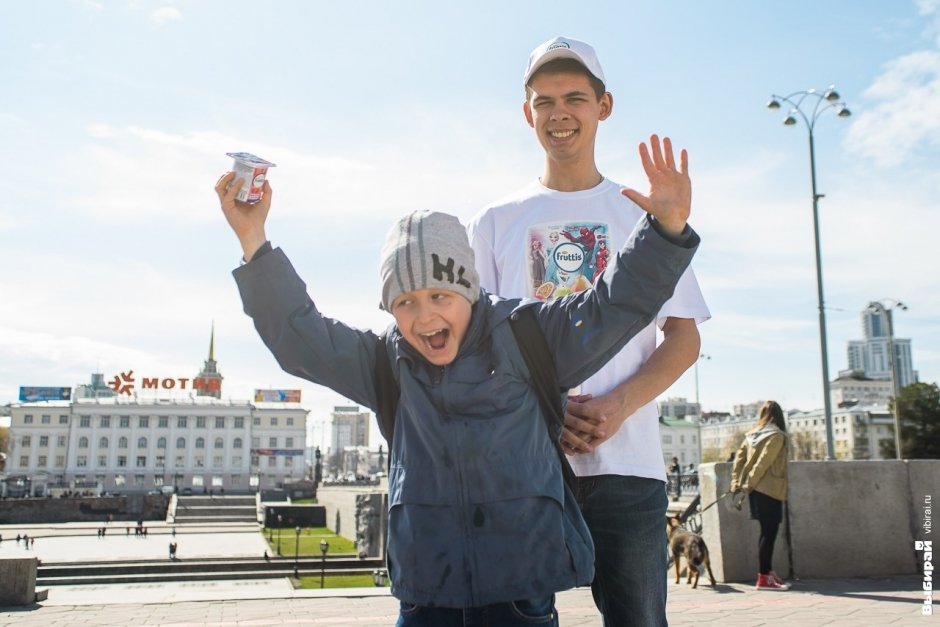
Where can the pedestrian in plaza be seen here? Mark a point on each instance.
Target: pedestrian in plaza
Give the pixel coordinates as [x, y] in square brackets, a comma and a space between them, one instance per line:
[760, 470]
[478, 522]
[18, 538]
[32, 542]
[576, 215]
[173, 546]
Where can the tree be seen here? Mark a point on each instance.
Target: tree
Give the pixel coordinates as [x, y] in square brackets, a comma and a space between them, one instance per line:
[920, 423]
[805, 445]
[4, 442]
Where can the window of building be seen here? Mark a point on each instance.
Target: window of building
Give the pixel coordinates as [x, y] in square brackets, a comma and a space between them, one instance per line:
[42, 461]
[288, 461]
[255, 460]
[290, 421]
[46, 419]
[138, 481]
[63, 419]
[141, 461]
[255, 442]
[198, 462]
[667, 439]
[681, 438]
[60, 440]
[83, 442]
[272, 442]
[60, 461]
[163, 422]
[236, 461]
[161, 443]
[158, 480]
[145, 422]
[84, 422]
[180, 442]
[122, 442]
[219, 443]
[141, 442]
[256, 421]
[289, 443]
[44, 440]
[181, 422]
[272, 462]
[122, 461]
[103, 442]
[24, 461]
[105, 421]
[200, 422]
[219, 422]
[81, 461]
[179, 461]
[236, 480]
[217, 461]
[274, 421]
[197, 481]
[125, 422]
[237, 443]
[239, 422]
[200, 443]
[119, 480]
[27, 419]
[102, 461]
[99, 479]
[161, 461]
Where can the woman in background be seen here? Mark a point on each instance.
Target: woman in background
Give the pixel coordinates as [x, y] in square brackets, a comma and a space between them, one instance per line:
[760, 470]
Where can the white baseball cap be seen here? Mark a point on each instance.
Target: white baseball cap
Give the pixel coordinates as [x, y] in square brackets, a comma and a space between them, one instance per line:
[564, 48]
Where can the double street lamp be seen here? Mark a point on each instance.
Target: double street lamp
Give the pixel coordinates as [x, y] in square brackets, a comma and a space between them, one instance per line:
[879, 307]
[324, 547]
[820, 102]
[296, 551]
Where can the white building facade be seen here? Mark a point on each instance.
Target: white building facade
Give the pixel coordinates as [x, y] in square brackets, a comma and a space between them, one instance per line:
[125, 445]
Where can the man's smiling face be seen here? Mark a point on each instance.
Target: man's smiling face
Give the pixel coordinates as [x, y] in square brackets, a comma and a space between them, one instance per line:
[564, 111]
[434, 322]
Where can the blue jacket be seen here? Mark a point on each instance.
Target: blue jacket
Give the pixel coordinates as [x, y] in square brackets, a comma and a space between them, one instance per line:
[476, 494]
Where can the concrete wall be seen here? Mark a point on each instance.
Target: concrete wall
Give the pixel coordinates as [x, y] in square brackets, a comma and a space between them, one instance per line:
[18, 581]
[340, 504]
[843, 518]
[84, 509]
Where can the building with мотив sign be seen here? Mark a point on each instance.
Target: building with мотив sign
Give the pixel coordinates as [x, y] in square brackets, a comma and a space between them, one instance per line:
[101, 440]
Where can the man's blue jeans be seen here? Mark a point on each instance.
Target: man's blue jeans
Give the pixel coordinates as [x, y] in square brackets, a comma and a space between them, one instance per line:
[627, 519]
[516, 614]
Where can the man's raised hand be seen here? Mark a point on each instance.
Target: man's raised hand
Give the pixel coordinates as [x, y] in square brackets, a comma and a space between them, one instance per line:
[670, 196]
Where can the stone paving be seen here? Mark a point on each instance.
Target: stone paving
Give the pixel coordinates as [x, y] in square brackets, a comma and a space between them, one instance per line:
[884, 601]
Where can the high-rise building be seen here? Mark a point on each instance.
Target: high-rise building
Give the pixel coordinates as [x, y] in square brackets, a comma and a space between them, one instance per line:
[870, 356]
[350, 428]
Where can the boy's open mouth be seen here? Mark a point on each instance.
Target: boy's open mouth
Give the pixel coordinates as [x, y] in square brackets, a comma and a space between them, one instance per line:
[436, 340]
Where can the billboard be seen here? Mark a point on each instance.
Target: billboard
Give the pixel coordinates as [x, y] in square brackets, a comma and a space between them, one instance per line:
[278, 452]
[277, 396]
[36, 393]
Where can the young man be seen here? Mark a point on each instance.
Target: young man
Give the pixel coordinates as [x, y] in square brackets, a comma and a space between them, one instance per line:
[477, 527]
[574, 214]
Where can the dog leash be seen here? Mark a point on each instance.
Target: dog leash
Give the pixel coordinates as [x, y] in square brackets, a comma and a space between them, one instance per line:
[737, 503]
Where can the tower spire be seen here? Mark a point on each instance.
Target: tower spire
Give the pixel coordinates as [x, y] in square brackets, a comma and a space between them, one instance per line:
[212, 343]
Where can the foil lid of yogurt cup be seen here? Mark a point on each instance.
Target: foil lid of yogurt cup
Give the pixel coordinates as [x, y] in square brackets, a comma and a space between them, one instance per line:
[250, 159]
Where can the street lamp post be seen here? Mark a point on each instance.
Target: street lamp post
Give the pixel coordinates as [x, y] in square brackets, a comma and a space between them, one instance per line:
[324, 547]
[824, 101]
[296, 551]
[279, 518]
[880, 307]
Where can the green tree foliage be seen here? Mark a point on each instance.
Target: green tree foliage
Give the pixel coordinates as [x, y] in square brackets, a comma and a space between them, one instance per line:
[4, 441]
[920, 422]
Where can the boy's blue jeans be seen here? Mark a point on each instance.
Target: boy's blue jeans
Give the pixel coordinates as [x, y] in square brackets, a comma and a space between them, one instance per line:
[627, 519]
[514, 614]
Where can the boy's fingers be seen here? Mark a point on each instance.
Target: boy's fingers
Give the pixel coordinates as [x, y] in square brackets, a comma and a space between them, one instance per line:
[670, 158]
[657, 151]
[684, 161]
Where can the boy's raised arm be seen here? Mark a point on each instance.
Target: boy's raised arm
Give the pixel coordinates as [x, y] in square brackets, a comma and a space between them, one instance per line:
[247, 220]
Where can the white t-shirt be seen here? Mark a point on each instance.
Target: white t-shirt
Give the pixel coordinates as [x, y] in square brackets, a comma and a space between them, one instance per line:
[543, 243]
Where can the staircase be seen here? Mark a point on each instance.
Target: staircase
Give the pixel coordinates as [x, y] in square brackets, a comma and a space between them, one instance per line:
[215, 509]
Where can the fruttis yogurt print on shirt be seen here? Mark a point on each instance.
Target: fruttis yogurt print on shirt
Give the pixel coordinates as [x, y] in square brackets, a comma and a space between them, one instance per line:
[565, 257]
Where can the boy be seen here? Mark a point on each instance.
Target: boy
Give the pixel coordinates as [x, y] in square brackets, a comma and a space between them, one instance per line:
[612, 433]
[477, 528]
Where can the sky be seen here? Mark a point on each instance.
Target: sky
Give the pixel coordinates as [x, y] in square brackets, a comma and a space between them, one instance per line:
[115, 117]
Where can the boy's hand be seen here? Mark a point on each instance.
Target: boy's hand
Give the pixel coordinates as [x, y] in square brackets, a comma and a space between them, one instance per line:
[670, 197]
[247, 220]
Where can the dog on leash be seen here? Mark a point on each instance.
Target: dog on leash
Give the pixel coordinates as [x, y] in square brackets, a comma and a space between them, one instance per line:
[691, 546]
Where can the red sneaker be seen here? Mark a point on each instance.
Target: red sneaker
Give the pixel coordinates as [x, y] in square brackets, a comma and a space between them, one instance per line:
[777, 578]
[767, 582]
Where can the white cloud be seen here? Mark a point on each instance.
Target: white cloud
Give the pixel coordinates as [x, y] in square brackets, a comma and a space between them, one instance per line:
[165, 14]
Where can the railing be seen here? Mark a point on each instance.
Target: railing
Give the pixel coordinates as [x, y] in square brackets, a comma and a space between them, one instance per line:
[681, 485]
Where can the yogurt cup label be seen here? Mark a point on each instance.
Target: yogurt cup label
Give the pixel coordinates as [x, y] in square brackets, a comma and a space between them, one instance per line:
[253, 170]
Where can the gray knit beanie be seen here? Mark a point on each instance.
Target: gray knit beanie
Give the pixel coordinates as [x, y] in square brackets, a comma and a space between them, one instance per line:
[427, 249]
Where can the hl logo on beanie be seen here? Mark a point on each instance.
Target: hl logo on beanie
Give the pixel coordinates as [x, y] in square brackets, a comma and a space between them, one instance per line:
[427, 249]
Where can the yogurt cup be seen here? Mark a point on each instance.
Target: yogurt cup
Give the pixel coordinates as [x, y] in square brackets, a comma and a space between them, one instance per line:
[253, 170]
